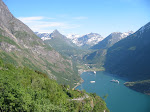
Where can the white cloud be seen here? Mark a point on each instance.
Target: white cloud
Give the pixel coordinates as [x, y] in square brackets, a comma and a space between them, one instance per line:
[30, 19]
[44, 24]
[80, 18]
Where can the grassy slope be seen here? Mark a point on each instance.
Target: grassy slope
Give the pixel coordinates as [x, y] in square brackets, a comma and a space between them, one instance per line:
[22, 89]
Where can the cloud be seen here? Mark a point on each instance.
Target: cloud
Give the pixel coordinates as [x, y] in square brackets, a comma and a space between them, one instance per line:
[80, 18]
[44, 24]
[30, 19]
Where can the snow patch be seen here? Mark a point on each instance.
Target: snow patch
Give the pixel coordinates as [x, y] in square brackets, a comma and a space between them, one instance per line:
[88, 39]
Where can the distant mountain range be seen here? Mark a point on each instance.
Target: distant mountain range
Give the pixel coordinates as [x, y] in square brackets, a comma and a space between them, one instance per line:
[87, 40]
[63, 45]
[84, 41]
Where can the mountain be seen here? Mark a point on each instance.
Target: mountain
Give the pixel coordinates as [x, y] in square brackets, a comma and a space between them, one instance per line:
[54, 34]
[129, 57]
[111, 40]
[21, 47]
[43, 36]
[98, 56]
[73, 36]
[87, 40]
[84, 41]
[63, 45]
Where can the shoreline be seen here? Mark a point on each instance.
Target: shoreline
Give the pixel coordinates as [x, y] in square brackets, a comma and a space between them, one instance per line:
[78, 84]
[80, 71]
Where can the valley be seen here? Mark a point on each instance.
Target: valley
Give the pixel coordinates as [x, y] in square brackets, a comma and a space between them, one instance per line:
[103, 55]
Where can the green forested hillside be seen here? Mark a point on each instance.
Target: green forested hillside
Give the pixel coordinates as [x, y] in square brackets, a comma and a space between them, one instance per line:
[22, 89]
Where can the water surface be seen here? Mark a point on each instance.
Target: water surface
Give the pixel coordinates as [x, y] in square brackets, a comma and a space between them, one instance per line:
[120, 98]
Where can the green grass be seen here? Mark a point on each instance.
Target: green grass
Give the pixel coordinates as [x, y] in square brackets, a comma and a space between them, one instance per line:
[7, 58]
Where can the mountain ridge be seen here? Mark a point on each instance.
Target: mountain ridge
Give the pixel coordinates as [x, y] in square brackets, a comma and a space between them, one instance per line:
[80, 41]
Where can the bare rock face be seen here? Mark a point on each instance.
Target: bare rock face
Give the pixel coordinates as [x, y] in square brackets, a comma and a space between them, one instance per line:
[18, 42]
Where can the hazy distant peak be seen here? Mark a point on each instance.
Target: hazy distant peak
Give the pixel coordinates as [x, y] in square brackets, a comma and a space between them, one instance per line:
[56, 31]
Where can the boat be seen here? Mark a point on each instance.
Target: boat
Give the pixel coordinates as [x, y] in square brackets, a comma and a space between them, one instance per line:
[92, 81]
[94, 72]
[114, 81]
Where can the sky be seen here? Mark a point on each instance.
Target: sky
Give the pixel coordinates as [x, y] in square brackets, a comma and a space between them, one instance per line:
[81, 16]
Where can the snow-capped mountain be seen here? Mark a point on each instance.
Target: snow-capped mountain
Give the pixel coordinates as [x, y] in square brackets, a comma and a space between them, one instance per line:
[86, 40]
[48, 36]
[125, 34]
[73, 36]
[111, 39]
[62, 44]
[43, 36]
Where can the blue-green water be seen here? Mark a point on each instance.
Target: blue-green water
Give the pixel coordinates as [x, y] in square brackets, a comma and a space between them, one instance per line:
[120, 98]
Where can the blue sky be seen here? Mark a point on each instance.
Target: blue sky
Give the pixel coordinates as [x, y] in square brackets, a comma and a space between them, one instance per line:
[81, 16]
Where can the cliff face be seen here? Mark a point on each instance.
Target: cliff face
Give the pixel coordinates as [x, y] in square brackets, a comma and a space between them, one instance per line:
[20, 46]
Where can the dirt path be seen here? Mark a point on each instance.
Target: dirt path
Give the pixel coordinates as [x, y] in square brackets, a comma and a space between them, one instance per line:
[81, 98]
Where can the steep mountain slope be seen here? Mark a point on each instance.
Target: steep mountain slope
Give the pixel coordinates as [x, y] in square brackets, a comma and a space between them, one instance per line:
[98, 56]
[130, 57]
[87, 40]
[20, 46]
